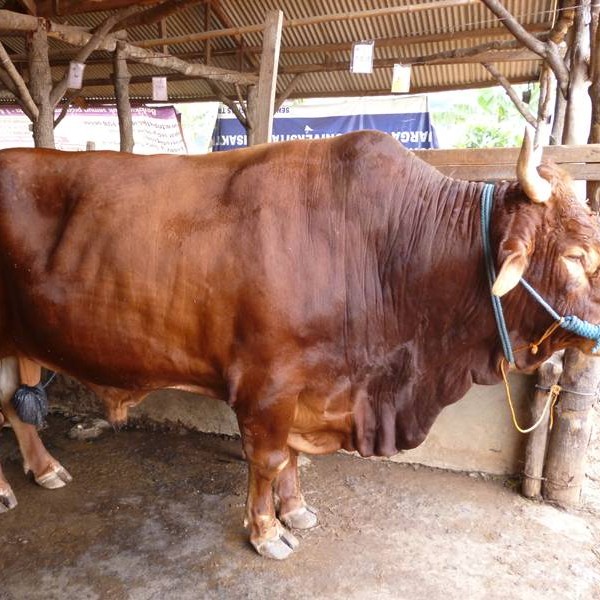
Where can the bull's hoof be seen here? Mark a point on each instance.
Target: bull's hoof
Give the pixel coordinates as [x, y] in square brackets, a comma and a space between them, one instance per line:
[304, 517]
[278, 548]
[7, 500]
[55, 478]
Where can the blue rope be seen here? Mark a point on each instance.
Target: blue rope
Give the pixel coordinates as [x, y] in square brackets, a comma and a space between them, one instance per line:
[487, 200]
[570, 323]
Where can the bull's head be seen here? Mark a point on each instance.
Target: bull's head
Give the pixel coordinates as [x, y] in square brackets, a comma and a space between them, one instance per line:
[552, 239]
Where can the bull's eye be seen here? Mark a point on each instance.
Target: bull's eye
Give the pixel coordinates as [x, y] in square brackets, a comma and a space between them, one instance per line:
[575, 257]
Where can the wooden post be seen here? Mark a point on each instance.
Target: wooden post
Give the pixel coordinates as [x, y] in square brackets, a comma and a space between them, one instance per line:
[251, 114]
[535, 451]
[122, 77]
[262, 100]
[593, 187]
[578, 110]
[40, 84]
[569, 440]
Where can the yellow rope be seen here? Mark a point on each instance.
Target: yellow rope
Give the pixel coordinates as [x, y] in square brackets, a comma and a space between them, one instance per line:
[552, 395]
[550, 402]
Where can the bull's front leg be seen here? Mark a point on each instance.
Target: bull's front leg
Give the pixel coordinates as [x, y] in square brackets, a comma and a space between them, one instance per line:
[264, 428]
[47, 471]
[293, 510]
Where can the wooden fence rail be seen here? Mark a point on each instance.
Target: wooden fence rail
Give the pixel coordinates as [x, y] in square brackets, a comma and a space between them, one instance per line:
[493, 164]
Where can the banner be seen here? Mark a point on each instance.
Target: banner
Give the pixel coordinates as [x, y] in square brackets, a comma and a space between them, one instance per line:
[155, 130]
[406, 118]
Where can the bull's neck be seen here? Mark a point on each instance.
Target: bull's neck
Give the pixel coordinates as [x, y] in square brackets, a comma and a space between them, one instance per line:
[445, 290]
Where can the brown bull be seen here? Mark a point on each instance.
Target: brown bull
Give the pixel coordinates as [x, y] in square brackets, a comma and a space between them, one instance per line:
[332, 292]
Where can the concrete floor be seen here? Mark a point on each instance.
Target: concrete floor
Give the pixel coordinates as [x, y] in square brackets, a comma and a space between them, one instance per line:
[157, 515]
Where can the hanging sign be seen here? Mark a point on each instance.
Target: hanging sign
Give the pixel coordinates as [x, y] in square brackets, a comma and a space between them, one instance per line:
[75, 76]
[401, 79]
[159, 89]
[362, 57]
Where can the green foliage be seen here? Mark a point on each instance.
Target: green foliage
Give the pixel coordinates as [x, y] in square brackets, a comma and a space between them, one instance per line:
[485, 118]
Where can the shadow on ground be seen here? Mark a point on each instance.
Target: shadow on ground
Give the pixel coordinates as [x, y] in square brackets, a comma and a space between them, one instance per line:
[154, 515]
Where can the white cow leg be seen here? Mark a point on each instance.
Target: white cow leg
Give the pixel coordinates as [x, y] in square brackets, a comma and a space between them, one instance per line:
[47, 471]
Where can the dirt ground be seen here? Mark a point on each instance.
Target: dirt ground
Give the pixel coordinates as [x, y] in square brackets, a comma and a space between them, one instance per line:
[157, 515]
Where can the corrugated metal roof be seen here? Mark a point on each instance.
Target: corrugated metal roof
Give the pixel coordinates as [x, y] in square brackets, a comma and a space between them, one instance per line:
[302, 47]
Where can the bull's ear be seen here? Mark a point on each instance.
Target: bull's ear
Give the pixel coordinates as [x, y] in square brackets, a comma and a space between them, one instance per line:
[511, 271]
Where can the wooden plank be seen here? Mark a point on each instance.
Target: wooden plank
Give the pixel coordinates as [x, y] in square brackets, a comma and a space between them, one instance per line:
[588, 153]
[262, 122]
[588, 172]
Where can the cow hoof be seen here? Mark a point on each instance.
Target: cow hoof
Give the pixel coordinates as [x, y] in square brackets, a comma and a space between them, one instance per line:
[304, 517]
[56, 478]
[7, 500]
[278, 548]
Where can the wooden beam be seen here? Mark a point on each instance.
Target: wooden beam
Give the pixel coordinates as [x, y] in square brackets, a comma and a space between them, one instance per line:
[452, 57]
[158, 13]
[540, 29]
[261, 121]
[519, 104]
[307, 21]
[92, 44]
[12, 21]
[21, 90]
[64, 56]
[136, 54]
[549, 51]
[289, 89]
[424, 89]
[62, 8]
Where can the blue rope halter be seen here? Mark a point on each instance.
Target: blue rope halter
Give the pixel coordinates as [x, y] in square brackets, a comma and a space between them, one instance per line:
[570, 323]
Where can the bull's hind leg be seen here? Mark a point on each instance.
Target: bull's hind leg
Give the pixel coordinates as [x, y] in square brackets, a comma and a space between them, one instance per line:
[7, 496]
[293, 510]
[264, 426]
[47, 471]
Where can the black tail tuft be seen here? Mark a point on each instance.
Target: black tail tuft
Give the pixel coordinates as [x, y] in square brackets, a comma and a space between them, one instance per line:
[31, 404]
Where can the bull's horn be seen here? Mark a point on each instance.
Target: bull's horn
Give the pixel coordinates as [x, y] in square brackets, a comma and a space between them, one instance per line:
[534, 185]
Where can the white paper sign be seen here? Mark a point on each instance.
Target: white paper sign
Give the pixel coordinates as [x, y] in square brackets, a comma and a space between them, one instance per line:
[159, 89]
[362, 57]
[401, 79]
[75, 76]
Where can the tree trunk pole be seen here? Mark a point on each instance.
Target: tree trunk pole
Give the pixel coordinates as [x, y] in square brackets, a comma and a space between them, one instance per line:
[569, 440]
[122, 77]
[535, 451]
[40, 84]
